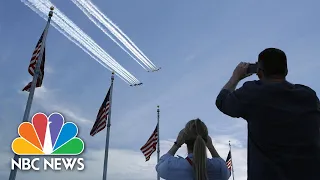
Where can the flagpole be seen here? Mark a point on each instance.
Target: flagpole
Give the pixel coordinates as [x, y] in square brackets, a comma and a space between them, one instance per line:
[105, 166]
[231, 161]
[158, 141]
[13, 172]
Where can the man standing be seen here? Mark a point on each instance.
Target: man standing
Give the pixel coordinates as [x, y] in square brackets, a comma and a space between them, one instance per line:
[283, 120]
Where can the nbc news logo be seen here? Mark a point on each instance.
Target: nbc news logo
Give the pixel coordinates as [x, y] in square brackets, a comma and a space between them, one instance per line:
[48, 136]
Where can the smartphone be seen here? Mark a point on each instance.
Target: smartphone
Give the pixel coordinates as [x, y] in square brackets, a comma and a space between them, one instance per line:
[252, 68]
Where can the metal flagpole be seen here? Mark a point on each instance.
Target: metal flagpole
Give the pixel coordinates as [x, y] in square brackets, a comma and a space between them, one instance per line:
[106, 152]
[158, 141]
[231, 161]
[13, 172]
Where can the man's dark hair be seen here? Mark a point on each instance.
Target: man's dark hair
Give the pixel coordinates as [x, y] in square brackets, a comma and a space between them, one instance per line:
[273, 62]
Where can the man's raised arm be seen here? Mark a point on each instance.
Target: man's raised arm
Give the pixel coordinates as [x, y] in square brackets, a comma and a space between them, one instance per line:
[230, 101]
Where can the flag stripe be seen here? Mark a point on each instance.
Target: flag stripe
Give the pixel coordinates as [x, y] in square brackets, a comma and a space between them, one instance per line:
[151, 145]
[103, 115]
[35, 56]
[229, 160]
[150, 142]
[32, 68]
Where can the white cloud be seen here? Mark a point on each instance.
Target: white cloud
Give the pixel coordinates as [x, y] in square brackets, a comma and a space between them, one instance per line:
[132, 125]
[126, 164]
[46, 98]
[40, 92]
[48, 69]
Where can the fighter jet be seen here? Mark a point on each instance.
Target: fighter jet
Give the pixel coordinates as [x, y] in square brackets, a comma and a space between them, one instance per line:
[154, 70]
[136, 84]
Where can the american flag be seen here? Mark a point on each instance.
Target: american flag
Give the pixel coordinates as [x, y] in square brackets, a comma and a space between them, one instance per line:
[151, 144]
[33, 63]
[229, 160]
[102, 116]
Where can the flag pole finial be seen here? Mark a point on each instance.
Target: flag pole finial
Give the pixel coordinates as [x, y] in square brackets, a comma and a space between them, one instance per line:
[51, 11]
[112, 76]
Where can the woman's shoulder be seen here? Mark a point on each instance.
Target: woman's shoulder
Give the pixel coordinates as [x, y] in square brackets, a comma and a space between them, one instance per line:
[174, 162]
[217, 162]
[217, 167]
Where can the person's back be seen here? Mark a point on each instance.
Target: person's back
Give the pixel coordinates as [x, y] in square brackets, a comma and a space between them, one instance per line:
[178, 168]
[283, 122]
[196, 166]
[283, 131]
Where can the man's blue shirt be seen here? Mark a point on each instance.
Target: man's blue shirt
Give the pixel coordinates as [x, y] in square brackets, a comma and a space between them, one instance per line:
[283, 128]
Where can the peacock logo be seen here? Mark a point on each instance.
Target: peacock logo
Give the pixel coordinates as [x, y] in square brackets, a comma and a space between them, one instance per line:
[47, 136]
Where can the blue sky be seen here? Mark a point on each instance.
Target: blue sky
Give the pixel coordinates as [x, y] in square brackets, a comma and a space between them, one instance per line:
[197, 44]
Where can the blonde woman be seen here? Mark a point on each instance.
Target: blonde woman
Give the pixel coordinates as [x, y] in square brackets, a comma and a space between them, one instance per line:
[196, 166]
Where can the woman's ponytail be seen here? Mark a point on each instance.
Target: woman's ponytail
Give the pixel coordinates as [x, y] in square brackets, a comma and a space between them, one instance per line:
[200, 159]
[196, 132]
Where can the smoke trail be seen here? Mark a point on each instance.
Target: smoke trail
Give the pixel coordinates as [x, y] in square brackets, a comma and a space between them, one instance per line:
[86, 8]
[100, 16]
[94, 11]
[54, 24]
[86, 38]
[77, 36]
[87, 13]
[69, 31]
[120, 31]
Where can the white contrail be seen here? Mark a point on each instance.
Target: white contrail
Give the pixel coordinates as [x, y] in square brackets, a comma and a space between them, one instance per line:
[87, 13]
[93, 18]
[124, 39]
[59, 22]
[116, 34]
[119, 34]
[87, 39]
[77, 36]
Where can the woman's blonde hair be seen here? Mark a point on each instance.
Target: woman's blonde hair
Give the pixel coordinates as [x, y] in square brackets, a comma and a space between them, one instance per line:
[196, 136]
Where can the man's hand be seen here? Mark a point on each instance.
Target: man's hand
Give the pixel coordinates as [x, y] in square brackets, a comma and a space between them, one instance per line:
[240, 72]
